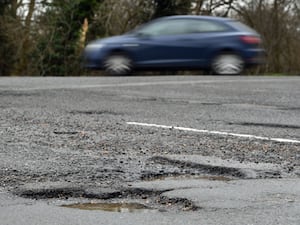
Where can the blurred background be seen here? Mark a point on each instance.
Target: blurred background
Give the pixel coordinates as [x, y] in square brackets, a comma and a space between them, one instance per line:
[46, 37]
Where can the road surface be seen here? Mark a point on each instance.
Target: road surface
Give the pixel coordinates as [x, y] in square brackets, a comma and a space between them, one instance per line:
[180, 145]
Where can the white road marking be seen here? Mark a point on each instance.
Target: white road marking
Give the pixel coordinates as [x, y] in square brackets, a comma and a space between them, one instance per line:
[281, 140]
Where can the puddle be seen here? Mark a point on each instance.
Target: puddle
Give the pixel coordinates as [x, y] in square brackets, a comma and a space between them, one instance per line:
[112, 207]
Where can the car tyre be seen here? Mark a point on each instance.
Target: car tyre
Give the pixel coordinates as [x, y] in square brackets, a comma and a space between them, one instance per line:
[228, 64]
[118, 64]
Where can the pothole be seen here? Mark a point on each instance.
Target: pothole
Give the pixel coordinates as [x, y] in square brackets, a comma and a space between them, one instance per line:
[160, 167]
[194, 177]
[188, 168]
[112, 207]
[127, 200]
[50, 193]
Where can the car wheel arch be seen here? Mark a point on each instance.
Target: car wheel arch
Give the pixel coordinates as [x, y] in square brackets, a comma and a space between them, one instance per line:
[225, 50]
[120, 51]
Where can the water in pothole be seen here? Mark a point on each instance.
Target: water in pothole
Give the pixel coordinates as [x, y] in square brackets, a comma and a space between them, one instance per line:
[112, 207]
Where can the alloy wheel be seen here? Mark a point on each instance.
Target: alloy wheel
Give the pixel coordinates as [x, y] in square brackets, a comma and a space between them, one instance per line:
[228, 64]
[118, 64]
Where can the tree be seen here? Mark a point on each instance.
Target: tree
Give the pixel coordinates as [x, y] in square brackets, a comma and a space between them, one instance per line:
[115, 17]
[45, 37]
[213, 7]
[164, 8]
[6, 44]
[57, 49]
[278, 24]
[171, 7]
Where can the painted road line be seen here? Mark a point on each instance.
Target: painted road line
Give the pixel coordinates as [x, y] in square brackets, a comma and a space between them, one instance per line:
[221, 133]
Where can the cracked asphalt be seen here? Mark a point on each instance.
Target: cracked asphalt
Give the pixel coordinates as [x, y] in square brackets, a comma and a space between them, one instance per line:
[67, 137]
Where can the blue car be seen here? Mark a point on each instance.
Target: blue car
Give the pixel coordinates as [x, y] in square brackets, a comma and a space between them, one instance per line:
[223, 46]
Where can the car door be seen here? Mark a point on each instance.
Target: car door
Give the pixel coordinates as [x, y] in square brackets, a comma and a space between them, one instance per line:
[203, 37]
[166, 44]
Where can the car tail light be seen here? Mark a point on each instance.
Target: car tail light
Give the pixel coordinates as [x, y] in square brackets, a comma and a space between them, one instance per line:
[251, 40]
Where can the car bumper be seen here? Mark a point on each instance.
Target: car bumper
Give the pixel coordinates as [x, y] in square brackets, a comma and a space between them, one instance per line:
[93, 58]
[256, 57]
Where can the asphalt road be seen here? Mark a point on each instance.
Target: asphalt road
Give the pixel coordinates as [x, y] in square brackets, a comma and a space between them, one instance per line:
[97, 138]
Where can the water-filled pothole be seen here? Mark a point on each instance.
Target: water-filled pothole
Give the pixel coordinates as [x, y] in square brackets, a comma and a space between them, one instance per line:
[112, 207]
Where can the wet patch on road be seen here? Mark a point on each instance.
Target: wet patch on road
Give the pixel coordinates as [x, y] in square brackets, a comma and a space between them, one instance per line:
[146, 205]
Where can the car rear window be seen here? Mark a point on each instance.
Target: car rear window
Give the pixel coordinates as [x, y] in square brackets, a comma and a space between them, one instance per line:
[241, 27]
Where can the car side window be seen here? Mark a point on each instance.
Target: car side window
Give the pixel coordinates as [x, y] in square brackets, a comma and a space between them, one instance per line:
[202, 26]
[168, 27]
[181, 26]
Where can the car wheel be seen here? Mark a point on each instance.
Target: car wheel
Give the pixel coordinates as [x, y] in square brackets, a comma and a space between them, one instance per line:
[228, 64]
[118, 64]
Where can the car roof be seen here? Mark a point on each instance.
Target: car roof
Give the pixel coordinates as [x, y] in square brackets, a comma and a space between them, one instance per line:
[214, 18]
